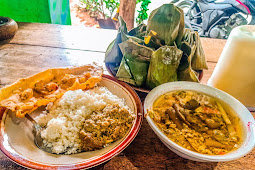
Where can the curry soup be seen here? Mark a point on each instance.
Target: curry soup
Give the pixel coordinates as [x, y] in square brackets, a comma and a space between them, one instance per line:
[197, 122]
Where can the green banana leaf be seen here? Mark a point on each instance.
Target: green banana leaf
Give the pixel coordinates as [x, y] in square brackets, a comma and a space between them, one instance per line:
[136, 59]
[124, 73]
[123, 25]
[188, 36]
[185, 71]
[166, 21]
[185, 47]
[163, 66]
[113, 53]
[198, 61]
[130, 46]
[181, 28]
[138, 68]
[153, 41]
[139, 31]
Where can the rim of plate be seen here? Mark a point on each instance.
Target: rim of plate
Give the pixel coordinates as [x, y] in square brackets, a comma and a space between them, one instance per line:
[91, 162]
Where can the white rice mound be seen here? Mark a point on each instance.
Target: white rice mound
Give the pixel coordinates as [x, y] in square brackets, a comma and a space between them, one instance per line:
[65, 118]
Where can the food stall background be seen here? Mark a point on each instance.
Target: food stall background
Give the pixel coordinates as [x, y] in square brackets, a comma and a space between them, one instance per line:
[211, 18]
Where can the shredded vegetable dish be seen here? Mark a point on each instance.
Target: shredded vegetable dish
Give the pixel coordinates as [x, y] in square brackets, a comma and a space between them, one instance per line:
[197, 122]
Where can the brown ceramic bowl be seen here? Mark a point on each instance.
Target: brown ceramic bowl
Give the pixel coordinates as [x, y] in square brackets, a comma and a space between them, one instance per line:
[8, 28]
[143, 89]
[17, 140]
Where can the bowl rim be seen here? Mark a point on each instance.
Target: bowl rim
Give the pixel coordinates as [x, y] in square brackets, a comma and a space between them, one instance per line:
[91, 162]
[249, 127]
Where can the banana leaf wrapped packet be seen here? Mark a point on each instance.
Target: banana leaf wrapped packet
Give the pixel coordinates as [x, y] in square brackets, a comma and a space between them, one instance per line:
[185, 71]
[113, 53]
[163, 66]
[193, 57]
[126, 57]
[135, 62]
[165, 20]
[198, 60]
[163, 51]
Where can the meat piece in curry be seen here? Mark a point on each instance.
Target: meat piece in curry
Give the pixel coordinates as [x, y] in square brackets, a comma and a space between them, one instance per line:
[197, 122]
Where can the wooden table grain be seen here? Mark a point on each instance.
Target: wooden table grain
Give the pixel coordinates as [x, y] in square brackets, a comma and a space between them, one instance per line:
[37, 47]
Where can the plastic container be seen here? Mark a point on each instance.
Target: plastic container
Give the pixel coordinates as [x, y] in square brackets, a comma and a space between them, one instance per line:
[247, 121]
[234, 72]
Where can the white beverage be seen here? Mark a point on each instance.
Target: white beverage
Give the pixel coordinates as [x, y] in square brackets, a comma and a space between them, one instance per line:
[235, 70]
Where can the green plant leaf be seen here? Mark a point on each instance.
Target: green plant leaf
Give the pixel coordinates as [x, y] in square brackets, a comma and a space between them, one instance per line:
[142, 13]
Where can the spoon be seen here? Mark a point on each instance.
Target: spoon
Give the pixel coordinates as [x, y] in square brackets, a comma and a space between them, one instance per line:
[37, 135]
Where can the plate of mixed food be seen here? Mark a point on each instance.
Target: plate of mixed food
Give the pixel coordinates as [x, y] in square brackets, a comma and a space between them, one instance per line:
[86, 118]
[161, 51]
[199, 122]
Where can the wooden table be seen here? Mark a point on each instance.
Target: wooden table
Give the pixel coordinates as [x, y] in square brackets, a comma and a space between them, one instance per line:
[37, 47]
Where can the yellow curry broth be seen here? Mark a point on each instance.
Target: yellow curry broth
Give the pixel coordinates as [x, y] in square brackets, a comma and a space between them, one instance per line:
[197, 122]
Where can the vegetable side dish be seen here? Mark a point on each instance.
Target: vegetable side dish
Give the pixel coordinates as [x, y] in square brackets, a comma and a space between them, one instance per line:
[197, 122]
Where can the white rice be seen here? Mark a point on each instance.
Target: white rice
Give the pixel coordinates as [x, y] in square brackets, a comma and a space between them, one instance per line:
[66, 117]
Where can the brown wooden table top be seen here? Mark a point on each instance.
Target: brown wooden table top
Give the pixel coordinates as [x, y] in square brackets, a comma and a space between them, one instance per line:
[36, 47]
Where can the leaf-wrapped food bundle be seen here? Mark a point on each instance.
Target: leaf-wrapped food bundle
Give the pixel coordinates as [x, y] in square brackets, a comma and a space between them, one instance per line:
[198, 61]
[113, 53]
[136, 49]
[185, 71]
[113, 68]
[179, 53]
[165, 20]
[137, 58]
[124, 73]
[163, 66]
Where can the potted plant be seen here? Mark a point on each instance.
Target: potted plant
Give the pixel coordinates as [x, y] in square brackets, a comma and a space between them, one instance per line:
[102, 11]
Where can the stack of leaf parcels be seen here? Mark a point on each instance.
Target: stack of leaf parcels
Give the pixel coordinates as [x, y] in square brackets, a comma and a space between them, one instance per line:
[163, 51]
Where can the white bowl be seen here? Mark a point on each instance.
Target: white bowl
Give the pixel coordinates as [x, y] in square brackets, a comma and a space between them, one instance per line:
[247, 121]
